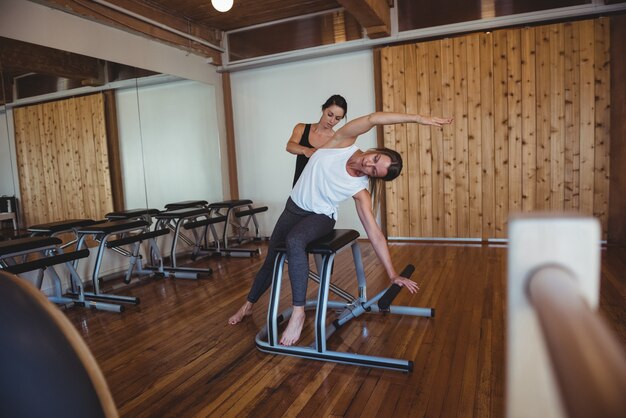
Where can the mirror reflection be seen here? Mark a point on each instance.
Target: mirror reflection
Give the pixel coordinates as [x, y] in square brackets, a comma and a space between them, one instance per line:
[89, 137]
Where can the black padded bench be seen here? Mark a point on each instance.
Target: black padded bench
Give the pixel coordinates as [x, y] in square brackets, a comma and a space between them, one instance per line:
[145, 214]
[42, 254]
[238, 213]
[115, 235]
[352, 307]
[185, 204]
[191, 218]
[53, 229]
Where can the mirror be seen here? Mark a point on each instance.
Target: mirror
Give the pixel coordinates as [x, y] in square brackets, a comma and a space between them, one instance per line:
[162, 133]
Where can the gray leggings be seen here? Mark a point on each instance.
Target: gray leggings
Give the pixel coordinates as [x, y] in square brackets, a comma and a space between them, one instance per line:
[296, 228]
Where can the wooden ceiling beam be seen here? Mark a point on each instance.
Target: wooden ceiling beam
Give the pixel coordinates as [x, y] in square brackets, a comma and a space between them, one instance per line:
[17, 56]
[373, 15]
[126, 21]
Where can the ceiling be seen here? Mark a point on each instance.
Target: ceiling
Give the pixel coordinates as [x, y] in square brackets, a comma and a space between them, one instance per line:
[191, 25]
[252, 28]
[195, 25]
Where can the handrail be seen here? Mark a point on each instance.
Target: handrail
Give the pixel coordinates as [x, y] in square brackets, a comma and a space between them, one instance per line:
[588, 362]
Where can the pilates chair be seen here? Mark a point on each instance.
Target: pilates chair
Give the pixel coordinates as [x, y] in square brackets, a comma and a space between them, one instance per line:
[47, 369]
[351, 307]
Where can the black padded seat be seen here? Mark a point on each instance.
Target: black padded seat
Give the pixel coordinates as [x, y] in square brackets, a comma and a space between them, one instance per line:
[248, 212]
[45, 262]
[131, 213]
[204, 222]
[186, 204]
[138, 237]
[112, 227]
[59, 226]
[230, 203]
[182, 213]
[328, 244]
[26, 244]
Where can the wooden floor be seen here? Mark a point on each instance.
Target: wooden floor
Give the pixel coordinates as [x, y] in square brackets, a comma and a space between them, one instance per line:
[174, 355]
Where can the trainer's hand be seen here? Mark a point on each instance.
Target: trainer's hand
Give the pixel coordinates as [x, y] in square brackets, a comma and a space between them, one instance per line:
[404, 282]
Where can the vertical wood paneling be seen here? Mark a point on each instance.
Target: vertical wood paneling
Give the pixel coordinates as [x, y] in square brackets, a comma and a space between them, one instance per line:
[543, 118]
[425, 147]
[514, 106]
[602, 122]
[434, 55]
[531, 130]
[400, 145]
[587, 116]
[386, 70]
[571, 76]
[529, 120]
[487, 132]
[501, 131]
[557, 118]
[461, 138]
[450, 97]
[411, 158]
[63, 160]
[474, 139]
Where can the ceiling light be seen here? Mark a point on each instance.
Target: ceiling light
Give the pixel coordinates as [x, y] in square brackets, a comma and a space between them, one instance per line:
[222, 5]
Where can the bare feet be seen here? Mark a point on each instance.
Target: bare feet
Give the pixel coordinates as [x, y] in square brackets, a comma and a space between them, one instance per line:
[294, 327]
[244, 311]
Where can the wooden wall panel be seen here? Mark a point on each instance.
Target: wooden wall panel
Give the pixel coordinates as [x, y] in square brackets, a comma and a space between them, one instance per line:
[474, 140]
[412, 150]
[63, 160]
[531, 132]
[487, 133]
[529, 120]
[617, 184]
[602, 62]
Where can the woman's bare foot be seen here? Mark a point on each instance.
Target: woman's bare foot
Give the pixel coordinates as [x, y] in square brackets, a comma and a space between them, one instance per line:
[294, 327]
[244, 311]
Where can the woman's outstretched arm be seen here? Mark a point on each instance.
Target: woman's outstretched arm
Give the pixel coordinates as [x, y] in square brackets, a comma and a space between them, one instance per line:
[363, 203]
[347, 135]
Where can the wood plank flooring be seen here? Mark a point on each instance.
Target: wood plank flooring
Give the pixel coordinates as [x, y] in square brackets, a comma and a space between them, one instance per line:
[174, 355]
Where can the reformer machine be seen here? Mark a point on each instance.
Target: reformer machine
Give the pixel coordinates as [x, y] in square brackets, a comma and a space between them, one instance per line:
[42, 254]
[325, 249]
[238, 215]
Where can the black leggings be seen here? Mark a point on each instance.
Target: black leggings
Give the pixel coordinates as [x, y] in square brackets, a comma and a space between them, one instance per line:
[296, 228]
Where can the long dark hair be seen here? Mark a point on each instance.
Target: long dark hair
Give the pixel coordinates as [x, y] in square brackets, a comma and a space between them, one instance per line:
[338, 100]
[376, 184]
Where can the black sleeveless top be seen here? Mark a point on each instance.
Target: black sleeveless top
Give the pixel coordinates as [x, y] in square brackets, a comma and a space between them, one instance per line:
[301, 159]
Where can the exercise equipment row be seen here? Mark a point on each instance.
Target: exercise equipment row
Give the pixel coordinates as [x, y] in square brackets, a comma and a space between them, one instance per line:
[123, 233]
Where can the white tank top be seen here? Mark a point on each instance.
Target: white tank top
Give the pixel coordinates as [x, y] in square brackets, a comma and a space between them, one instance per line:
[325, 182]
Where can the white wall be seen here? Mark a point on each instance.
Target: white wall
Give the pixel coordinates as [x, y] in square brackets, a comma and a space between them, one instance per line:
[268, 102]
[169, 137]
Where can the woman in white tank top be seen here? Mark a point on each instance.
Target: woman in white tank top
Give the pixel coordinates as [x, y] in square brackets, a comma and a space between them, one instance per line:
[337, 171]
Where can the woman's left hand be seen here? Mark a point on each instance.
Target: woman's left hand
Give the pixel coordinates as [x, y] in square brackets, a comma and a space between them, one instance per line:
[404, 282]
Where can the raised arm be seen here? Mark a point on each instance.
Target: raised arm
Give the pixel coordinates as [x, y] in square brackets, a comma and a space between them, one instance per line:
[348, 134]
[363, 204]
